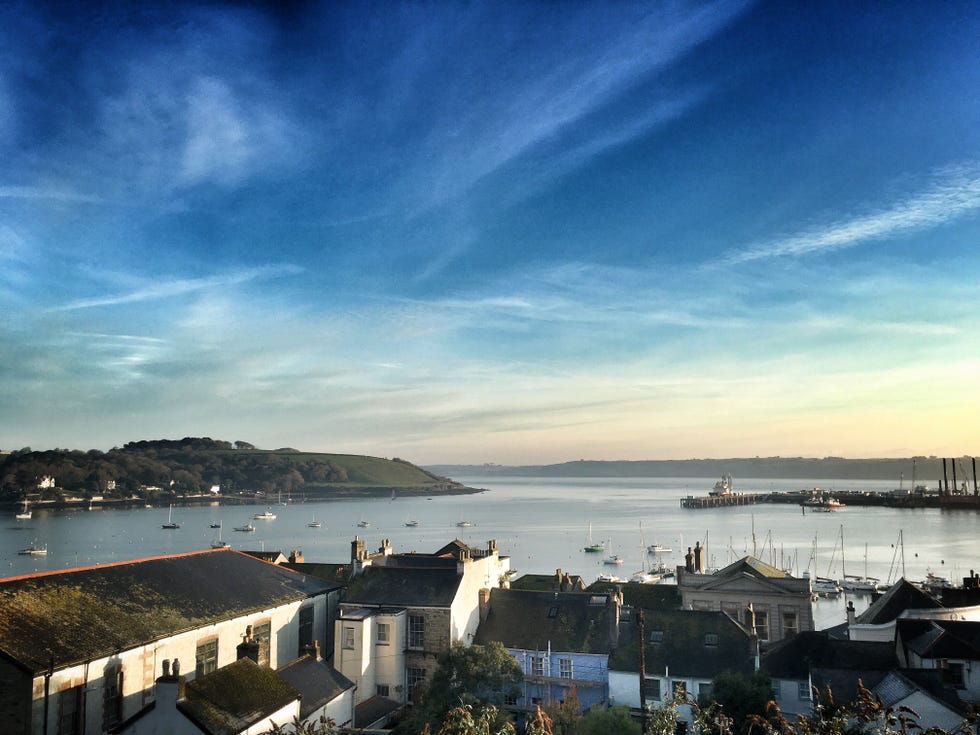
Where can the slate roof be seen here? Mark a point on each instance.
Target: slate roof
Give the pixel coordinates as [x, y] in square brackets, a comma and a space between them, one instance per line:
[557, 582]
[406, 587]
[900, 597]
[957, 639]
[337, 573]
[371, 710]
[317, 682]
[89, 613]
[567, 621]
[646, 596]
[235, 696]
[684, 649]
[797, 656]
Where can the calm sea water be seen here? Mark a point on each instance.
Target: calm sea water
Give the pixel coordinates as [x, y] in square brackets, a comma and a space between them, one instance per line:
[543, 525]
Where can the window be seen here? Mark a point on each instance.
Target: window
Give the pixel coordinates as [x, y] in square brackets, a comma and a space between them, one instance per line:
[348, 640]
[510, 699]
[762, 624]
[416, 631]
[382, 690]
[953, 674]
[383, 634]
[70, 708]
[537, 666]
[656, 636]
[416, 678]
[565, 668]
[112, 699]
[553, 611]
[803, 690]
[305, 629]
[262, 634]
[790, 625]
[206, 659]
[711, 640]
[653, 689]
[705, 691]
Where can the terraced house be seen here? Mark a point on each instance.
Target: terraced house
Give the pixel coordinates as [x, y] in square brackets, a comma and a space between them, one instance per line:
[81, 650]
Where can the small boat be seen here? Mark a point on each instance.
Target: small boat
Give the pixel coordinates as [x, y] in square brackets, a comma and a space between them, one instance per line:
[824, 586]
[593, 548]
[247, 528]
[218, 543]
[363, 524]
[614, 560]
[412, 524]
[314, 523]
[34, 550]
[463, 524]
[609, 578]
[659, 549]
[216, 525]
[170, 525]
[266, 516]
[24, 515]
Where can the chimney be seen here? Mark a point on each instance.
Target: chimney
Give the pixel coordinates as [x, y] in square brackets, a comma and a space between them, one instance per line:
[559, 578]
[313, 650]
[248, 648]
[615, 605]
[851, 616]
[385, 549]
[356, 550]
[492, 546]
[567, 585]
[296, 557]
[484, 603]
[689, 561]
[698, 558]
[169, 686]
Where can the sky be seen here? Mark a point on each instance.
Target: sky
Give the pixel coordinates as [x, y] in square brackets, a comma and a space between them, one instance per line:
[508, 232]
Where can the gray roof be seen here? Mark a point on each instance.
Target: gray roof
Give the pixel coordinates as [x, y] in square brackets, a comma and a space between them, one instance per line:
[89, 613]
[318, 682]
[799, 655]
[404, 586]
[900, 597]
[373, 710]
[565, 621]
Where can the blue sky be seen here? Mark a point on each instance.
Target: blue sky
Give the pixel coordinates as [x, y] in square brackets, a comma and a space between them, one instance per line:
[493, 232]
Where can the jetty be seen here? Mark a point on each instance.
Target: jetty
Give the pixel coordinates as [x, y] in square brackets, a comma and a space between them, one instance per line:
[699, 502]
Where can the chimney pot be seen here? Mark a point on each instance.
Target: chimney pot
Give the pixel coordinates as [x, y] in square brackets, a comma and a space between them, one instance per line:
[176, 667]
[166, 667]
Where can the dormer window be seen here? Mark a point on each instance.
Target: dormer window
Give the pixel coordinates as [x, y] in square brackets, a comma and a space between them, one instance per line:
[711, 640]
[656, 636]
[553, 612]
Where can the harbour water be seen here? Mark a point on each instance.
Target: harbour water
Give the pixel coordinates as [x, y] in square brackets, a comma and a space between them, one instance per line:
[542, 523]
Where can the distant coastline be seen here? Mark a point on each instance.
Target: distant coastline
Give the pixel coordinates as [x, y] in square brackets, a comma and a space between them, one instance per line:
[924, 470]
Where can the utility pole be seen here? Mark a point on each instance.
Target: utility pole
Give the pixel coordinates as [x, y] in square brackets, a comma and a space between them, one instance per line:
[643, 673]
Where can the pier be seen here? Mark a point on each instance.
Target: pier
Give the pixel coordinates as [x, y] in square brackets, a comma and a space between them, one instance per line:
[723, 501]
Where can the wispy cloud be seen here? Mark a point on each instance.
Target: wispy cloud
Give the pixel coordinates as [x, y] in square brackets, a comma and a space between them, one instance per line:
[953, 194]
[44, 193]
[161, 289]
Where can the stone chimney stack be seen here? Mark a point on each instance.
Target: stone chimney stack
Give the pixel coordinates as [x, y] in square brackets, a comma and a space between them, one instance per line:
[689, 561]
[248, 648]
[356, 551]
[558, 579]
[851, 613]
[566, 585]
[296, 556]
[484, 603]
[385, 549]
[492, 546]
[169, 686]
[698, 558]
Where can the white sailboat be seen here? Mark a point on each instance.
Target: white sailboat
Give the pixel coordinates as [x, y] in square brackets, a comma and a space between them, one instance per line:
[314, 523]
[853, 582]
[24, 515]
[170, 525]
[218, 543]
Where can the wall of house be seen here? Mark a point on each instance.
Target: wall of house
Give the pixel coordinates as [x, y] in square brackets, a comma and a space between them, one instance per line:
[590, 677]
[140, 666]
[478, 574]
[786, 692]
[339, 709]
[356, 662]
[15, 697]
[624, 689]
[389, 658]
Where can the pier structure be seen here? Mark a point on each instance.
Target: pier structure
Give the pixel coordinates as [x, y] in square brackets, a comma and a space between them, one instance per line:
[723, 501]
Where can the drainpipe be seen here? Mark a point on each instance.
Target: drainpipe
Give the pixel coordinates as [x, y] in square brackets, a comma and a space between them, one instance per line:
[945, 479]
[47, 690]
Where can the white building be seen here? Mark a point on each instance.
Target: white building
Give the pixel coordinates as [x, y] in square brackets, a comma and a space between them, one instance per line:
[82, 649]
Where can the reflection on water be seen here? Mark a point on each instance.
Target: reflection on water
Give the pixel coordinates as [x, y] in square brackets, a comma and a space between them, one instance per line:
[542, 524]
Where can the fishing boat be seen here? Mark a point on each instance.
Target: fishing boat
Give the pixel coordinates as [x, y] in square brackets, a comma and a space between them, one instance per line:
[591, 547]
[265, 516]
[216, 525]
[170, 525]
[412, 524]
[24, 515]
[463, 524]
[614, 560]
[247, 528]
[34, 550]
[658, 549]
